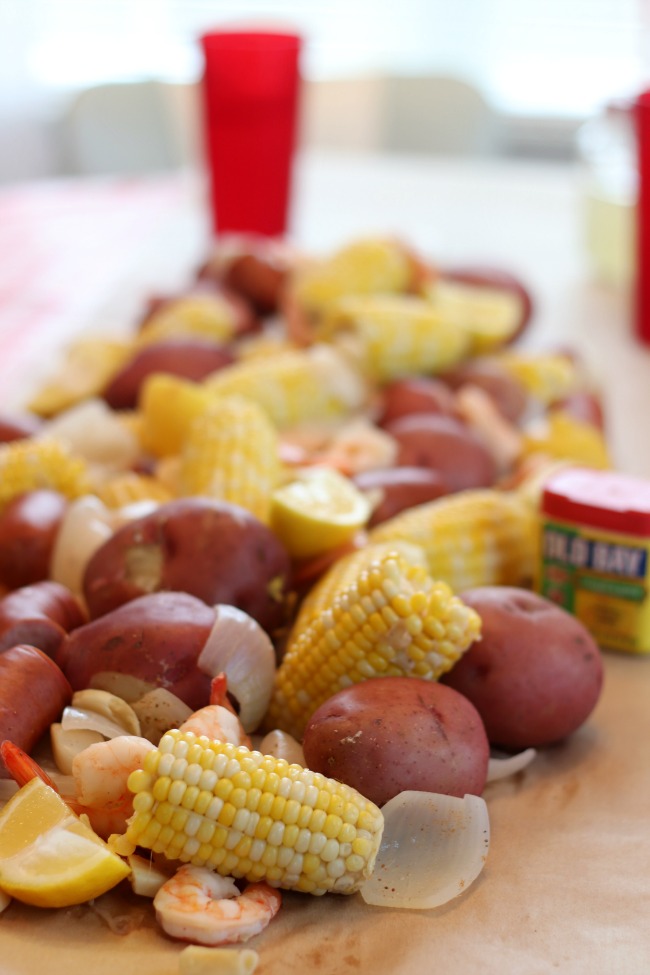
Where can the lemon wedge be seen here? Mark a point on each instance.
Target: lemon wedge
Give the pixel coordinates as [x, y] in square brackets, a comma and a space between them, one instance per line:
[48, 856]
[317, 511]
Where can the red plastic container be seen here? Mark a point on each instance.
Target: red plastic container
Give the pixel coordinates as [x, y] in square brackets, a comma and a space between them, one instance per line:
[250, 91]
[641, 113]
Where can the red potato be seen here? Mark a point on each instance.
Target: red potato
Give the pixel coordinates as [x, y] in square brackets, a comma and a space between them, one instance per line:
[398, 488]
[41, 615]
[388, 735]
[257, 271]
[417, 395]
[535, 675]
[445, 445]
[215, 551]
[192, 359]
[484, 276]
[33, 693]
[28, 529]
[509, 395]
[156, 638]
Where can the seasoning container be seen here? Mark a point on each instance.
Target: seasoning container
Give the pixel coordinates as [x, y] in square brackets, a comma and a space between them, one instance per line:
[594, 556]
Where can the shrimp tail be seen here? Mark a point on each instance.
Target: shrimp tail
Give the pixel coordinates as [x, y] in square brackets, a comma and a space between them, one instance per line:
[219, 692]
[21, 766]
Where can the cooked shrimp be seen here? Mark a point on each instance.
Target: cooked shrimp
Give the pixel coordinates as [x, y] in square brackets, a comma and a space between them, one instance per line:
[219, 722]
[358, 446]
[203, 907]
[100, 774]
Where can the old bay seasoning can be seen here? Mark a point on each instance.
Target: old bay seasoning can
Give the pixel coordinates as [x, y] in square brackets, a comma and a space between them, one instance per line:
[595, 553]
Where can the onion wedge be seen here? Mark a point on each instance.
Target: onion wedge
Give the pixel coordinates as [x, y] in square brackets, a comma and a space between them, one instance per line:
[432, 849]
[501, 768]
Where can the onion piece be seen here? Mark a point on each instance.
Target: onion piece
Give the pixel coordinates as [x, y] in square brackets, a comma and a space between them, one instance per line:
[282, 745]
[238, 647]
[501, 768]
[158, 711]
[432, 849]
[85, 526]
[84, 719]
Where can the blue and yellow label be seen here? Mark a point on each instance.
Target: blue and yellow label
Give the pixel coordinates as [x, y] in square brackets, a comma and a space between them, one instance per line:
[602, 579]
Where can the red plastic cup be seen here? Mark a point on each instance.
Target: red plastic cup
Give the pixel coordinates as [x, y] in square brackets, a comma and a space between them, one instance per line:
[250, 90]
[641, 113]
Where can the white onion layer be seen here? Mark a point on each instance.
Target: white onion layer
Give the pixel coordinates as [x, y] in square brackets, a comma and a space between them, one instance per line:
[432, 849]
[501, 768]
[238, 647]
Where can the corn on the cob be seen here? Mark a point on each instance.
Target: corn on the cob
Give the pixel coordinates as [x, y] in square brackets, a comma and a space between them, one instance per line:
[547, 377]
[252, 816]
[477, 537]
[394, 620]
[295, 386]
[345, 571]
[368, 266]
[26, 465]
[200, 316]
[231, 453]
[129, 488]
[396, 335]
[167, 407]
[85, 370]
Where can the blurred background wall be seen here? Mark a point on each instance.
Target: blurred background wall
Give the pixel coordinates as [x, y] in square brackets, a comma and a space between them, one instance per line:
[500, 77]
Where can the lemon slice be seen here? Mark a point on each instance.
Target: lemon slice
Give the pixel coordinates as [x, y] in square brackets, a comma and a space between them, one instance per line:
[491, 316]
[317, 511]
[48, 856]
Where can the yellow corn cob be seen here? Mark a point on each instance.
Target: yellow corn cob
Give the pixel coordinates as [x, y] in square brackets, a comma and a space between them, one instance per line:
[200, 316]
[27, 465]
[231, 453]
[295, 386]
[565, 437]
[547, 377]
[477, 537]
[396, 335]
[345, 571]
[167, 407]
[394, 620]
[368, 266]
[252, 816]
[129, 488]
[84, 371]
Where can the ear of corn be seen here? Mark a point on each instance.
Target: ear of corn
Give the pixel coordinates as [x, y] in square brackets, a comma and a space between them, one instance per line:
[479, 537]
[199, 316]
[231, 453]
[396, 335]
[295, 386]
[548, 377]
[167, 407]
[30, 464]
[85, 370]
[129, 488]
[394, 620]
[252, 816]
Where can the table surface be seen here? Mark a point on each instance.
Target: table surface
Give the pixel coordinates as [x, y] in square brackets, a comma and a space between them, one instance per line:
[566, 881]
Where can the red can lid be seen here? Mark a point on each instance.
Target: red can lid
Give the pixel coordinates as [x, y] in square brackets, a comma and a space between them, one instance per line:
[601, 499]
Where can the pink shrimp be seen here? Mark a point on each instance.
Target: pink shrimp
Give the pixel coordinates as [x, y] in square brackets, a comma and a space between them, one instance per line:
[201, 906]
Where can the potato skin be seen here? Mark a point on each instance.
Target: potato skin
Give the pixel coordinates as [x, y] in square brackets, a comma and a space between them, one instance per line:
[215, 551]
[445, 445]
[390, 734]
[400, 488]
[419, 394]
[28, 529]
[536, 673]
[156, 638]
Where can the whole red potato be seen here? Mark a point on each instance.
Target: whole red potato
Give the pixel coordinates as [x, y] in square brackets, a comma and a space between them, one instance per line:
[420, 394]
[28, 528]
[535, 675]
[388, 735]
[215, 551]
[398, 488]
[446, 445]
[156, 638]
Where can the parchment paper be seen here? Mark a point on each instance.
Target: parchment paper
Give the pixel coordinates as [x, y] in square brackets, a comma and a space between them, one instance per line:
[565, 888]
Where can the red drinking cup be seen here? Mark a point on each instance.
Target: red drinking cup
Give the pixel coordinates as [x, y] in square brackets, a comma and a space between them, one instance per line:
[250, 91]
